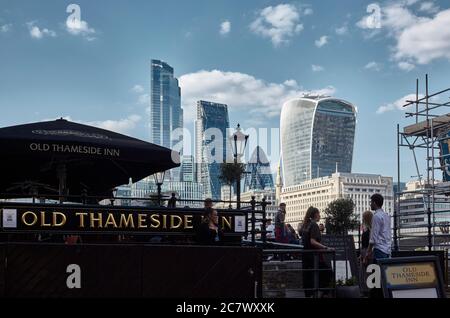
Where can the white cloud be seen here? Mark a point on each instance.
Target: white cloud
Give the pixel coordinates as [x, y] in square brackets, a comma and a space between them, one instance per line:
[418, 39]
[122, 126]
[406, 66]
[137, 88]
[240, 91]
[373, 66]
[317, 68]
[144, 99]
[398, 104]
[308, 11]
[428, 7]
[5, 28]
[79, 27]
[278, 23]
[322, 41]
[37, 33]
[225, 27]
[343, 30]
[425, 41]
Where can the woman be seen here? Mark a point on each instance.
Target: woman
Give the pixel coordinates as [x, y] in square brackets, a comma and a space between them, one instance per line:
[209, 232]
[365, 238]
[311, 238]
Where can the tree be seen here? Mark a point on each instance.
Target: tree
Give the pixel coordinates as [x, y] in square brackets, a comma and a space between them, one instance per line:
[230, 172]
[340, 217]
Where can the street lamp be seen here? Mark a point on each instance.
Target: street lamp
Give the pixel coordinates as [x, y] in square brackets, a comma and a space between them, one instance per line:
[238, 142]
[159, 179]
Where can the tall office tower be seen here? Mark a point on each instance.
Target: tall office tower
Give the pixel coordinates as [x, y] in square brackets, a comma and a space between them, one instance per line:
[317, 137]
[166, 113]
[211, 143]
[258, 175]
[188, 169]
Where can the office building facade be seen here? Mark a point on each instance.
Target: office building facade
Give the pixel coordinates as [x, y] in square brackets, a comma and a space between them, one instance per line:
[322, 191]
[165, 111]
[211, 144]
[317, 135]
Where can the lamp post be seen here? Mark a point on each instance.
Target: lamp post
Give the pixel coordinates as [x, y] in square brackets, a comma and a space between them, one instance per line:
[239, 142]
[159, 179]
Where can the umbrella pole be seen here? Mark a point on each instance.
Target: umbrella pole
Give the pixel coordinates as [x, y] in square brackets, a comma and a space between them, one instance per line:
[62, 177]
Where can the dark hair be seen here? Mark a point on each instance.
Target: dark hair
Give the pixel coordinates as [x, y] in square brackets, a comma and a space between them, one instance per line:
[310, 213]
[207, 212]
[377, 199]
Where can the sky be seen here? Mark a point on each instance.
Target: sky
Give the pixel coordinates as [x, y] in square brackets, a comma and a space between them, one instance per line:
[94, 67]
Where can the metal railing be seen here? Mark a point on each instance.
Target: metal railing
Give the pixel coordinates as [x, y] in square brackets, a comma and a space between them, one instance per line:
[315, 274]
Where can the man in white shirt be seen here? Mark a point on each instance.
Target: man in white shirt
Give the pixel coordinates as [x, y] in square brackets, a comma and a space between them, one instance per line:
[270, 230]
[380, 235]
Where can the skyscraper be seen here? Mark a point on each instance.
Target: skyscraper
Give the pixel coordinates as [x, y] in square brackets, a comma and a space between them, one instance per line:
[211, 143]
[166, 113]
[188, 169]
[258, 175]
[317, 137]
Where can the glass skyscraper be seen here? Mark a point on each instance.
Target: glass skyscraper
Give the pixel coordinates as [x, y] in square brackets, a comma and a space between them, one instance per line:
[258, 174]
[211, 143]
[317, 137]
[166, 113]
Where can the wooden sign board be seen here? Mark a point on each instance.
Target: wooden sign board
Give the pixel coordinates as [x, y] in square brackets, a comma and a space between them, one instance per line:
[412, 277]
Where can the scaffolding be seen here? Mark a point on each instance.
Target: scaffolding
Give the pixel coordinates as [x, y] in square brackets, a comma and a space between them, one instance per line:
[431, 128]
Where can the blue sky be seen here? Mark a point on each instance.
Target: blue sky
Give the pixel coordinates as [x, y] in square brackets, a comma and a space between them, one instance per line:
[251, 55]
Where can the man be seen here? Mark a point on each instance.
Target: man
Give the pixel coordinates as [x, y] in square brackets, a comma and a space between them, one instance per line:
[280, 236]
[380, 236]
[270, 230]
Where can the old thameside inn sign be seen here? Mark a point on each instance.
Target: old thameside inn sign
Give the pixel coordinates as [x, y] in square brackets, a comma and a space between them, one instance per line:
[16, 218]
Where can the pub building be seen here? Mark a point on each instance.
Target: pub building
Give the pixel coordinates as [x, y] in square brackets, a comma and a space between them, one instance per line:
[55, 179]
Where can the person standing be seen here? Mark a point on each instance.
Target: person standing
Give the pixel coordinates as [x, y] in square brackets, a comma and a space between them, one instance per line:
[270, 230]
[380, 237]
[280, 235]
[365, 239]
[311, 238]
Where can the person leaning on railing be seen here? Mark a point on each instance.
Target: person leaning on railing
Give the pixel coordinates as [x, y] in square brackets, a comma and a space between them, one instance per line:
[311, 238]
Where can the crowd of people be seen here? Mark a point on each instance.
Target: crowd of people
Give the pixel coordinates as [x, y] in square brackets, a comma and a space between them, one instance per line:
[375, 241]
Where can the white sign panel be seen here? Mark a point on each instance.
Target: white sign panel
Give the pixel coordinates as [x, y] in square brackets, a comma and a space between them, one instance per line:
[9, 218]
[239, 223]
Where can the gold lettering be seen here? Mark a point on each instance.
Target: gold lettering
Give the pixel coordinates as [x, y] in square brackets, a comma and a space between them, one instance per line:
[141, 221]
[164, 221]
[81, 215]
[43, 220]
[188, 222]
[172, 223]
[35, 218]
[94, 219]
[126, 221]
[155, 221]
[226, 221]
[55, 219]
[111, 221]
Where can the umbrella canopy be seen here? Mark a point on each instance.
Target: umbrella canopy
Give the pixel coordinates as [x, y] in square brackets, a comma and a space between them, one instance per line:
[62, 156]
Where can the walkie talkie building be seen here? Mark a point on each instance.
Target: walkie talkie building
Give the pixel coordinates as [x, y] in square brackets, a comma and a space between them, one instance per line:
[317, 137]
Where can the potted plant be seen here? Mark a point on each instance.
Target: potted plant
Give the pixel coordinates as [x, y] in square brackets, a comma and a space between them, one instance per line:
[340, 218]
[348, 288]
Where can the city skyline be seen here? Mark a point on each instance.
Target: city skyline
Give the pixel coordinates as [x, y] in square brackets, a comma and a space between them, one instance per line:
[96, 72]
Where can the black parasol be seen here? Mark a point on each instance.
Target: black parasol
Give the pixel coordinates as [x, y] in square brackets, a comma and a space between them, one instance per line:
[62, 157]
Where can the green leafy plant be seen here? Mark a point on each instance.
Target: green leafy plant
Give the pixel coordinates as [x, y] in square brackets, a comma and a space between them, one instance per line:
[348, 282]
[340, 217]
